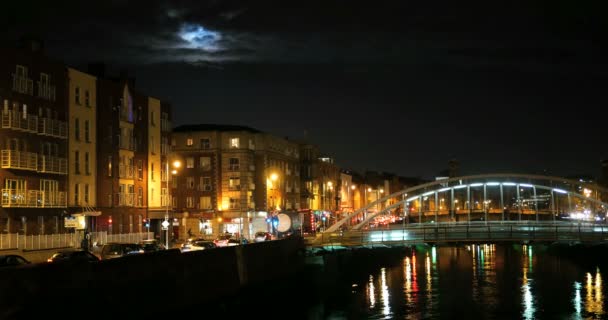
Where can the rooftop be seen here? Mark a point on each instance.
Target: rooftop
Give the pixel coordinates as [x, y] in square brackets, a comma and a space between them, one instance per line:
[213, 127]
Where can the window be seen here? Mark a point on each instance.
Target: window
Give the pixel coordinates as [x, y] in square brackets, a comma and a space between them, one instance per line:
[205, 144]
[190, 202]
[190, 182]
[174, 182]
[189, 142]
[86, 193]
[152, 119]
[152, 171]
[233, 164]
[76, 193]
[205, 202]
[140, 197]
[87, 136]
[152, 194]
[234, 142]
[109, 166]
[87, 169]
[205, 163]
[206, 183]
[235, 183]
[76, 162]
[190, 162]
[140, 169]
[234, 203]
[152, 146]
[87, 99]
[77, 95]
[77, 129]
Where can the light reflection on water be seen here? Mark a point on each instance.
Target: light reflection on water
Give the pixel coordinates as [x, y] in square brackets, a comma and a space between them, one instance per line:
[478, 281]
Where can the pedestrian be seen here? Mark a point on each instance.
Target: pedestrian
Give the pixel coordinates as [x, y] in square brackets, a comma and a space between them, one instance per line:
[190, 233]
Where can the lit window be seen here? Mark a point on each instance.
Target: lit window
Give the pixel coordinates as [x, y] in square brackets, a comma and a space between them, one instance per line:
[189, 141]
[235, 183]
[234, 142]
[190, 162]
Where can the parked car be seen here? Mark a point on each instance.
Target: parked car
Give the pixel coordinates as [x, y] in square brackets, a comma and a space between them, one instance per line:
[222, 240]
[262, 236]
[72, 256]
[12, 260]
[198, 244]
[151, 245]
[117, 250]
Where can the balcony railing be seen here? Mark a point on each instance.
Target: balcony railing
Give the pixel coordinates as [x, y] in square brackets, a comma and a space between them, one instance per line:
[46, 91]
[52, 127]
[33, 199]
[126, 199]
[23, 84]
[50, 164]
[15, 120]
[125, 171]
[12, 159]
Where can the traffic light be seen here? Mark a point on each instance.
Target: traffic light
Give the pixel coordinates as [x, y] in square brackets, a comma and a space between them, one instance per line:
[146, 223]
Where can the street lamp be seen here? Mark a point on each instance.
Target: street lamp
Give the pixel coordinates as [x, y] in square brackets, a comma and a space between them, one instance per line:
[176, 165]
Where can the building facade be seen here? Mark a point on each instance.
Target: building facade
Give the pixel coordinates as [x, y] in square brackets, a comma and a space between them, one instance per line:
[233, 178]
[82, 154]
[34, 141]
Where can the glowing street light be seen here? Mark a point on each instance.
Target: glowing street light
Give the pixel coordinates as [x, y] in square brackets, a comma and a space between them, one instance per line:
[176, 164]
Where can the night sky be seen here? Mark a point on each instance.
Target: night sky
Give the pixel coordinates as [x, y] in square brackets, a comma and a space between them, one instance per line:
[397, 86]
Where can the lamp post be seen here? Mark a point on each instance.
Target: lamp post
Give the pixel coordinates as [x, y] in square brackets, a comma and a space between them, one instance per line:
[165, 224]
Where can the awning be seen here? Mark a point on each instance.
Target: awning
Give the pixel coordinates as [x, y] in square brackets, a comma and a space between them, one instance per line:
[87, 214]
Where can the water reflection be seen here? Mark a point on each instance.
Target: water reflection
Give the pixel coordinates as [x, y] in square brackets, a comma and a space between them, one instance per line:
[529, 307]
[387, 308]
[577, 299]
[484, 281]
[371, 292]
[593, 300]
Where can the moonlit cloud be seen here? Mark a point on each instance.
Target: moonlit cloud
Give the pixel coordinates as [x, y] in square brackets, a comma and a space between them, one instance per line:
[198, 37]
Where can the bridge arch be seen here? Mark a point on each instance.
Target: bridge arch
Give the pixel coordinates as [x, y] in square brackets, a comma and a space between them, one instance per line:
[522, 194]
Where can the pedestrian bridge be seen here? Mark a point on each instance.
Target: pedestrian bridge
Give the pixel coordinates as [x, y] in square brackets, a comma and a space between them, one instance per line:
[488, 197]
[489, 207]
[474, 232]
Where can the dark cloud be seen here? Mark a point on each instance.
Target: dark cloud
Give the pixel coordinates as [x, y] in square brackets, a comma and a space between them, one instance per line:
[395, 85]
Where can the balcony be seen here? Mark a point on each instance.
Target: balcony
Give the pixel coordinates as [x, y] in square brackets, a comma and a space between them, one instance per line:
[15, 120]
[46, 91]
[12, 159]
[125, 171]
[165, 200]
[23, 84]
[50, 164]
[53, 128]
[165, 125]
[164, 149]
[127, 143]
[13, 198]
[126, 199]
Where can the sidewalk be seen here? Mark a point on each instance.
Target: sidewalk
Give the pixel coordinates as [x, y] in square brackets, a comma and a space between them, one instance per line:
[34, 256]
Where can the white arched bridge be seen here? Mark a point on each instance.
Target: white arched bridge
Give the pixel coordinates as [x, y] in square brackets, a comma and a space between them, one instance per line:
[479, 208]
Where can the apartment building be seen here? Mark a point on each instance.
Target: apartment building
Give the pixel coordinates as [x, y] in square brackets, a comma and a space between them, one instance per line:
[33, 141]
[232, 178]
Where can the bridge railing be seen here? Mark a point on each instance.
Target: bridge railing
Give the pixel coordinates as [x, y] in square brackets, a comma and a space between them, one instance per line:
[466, 232]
